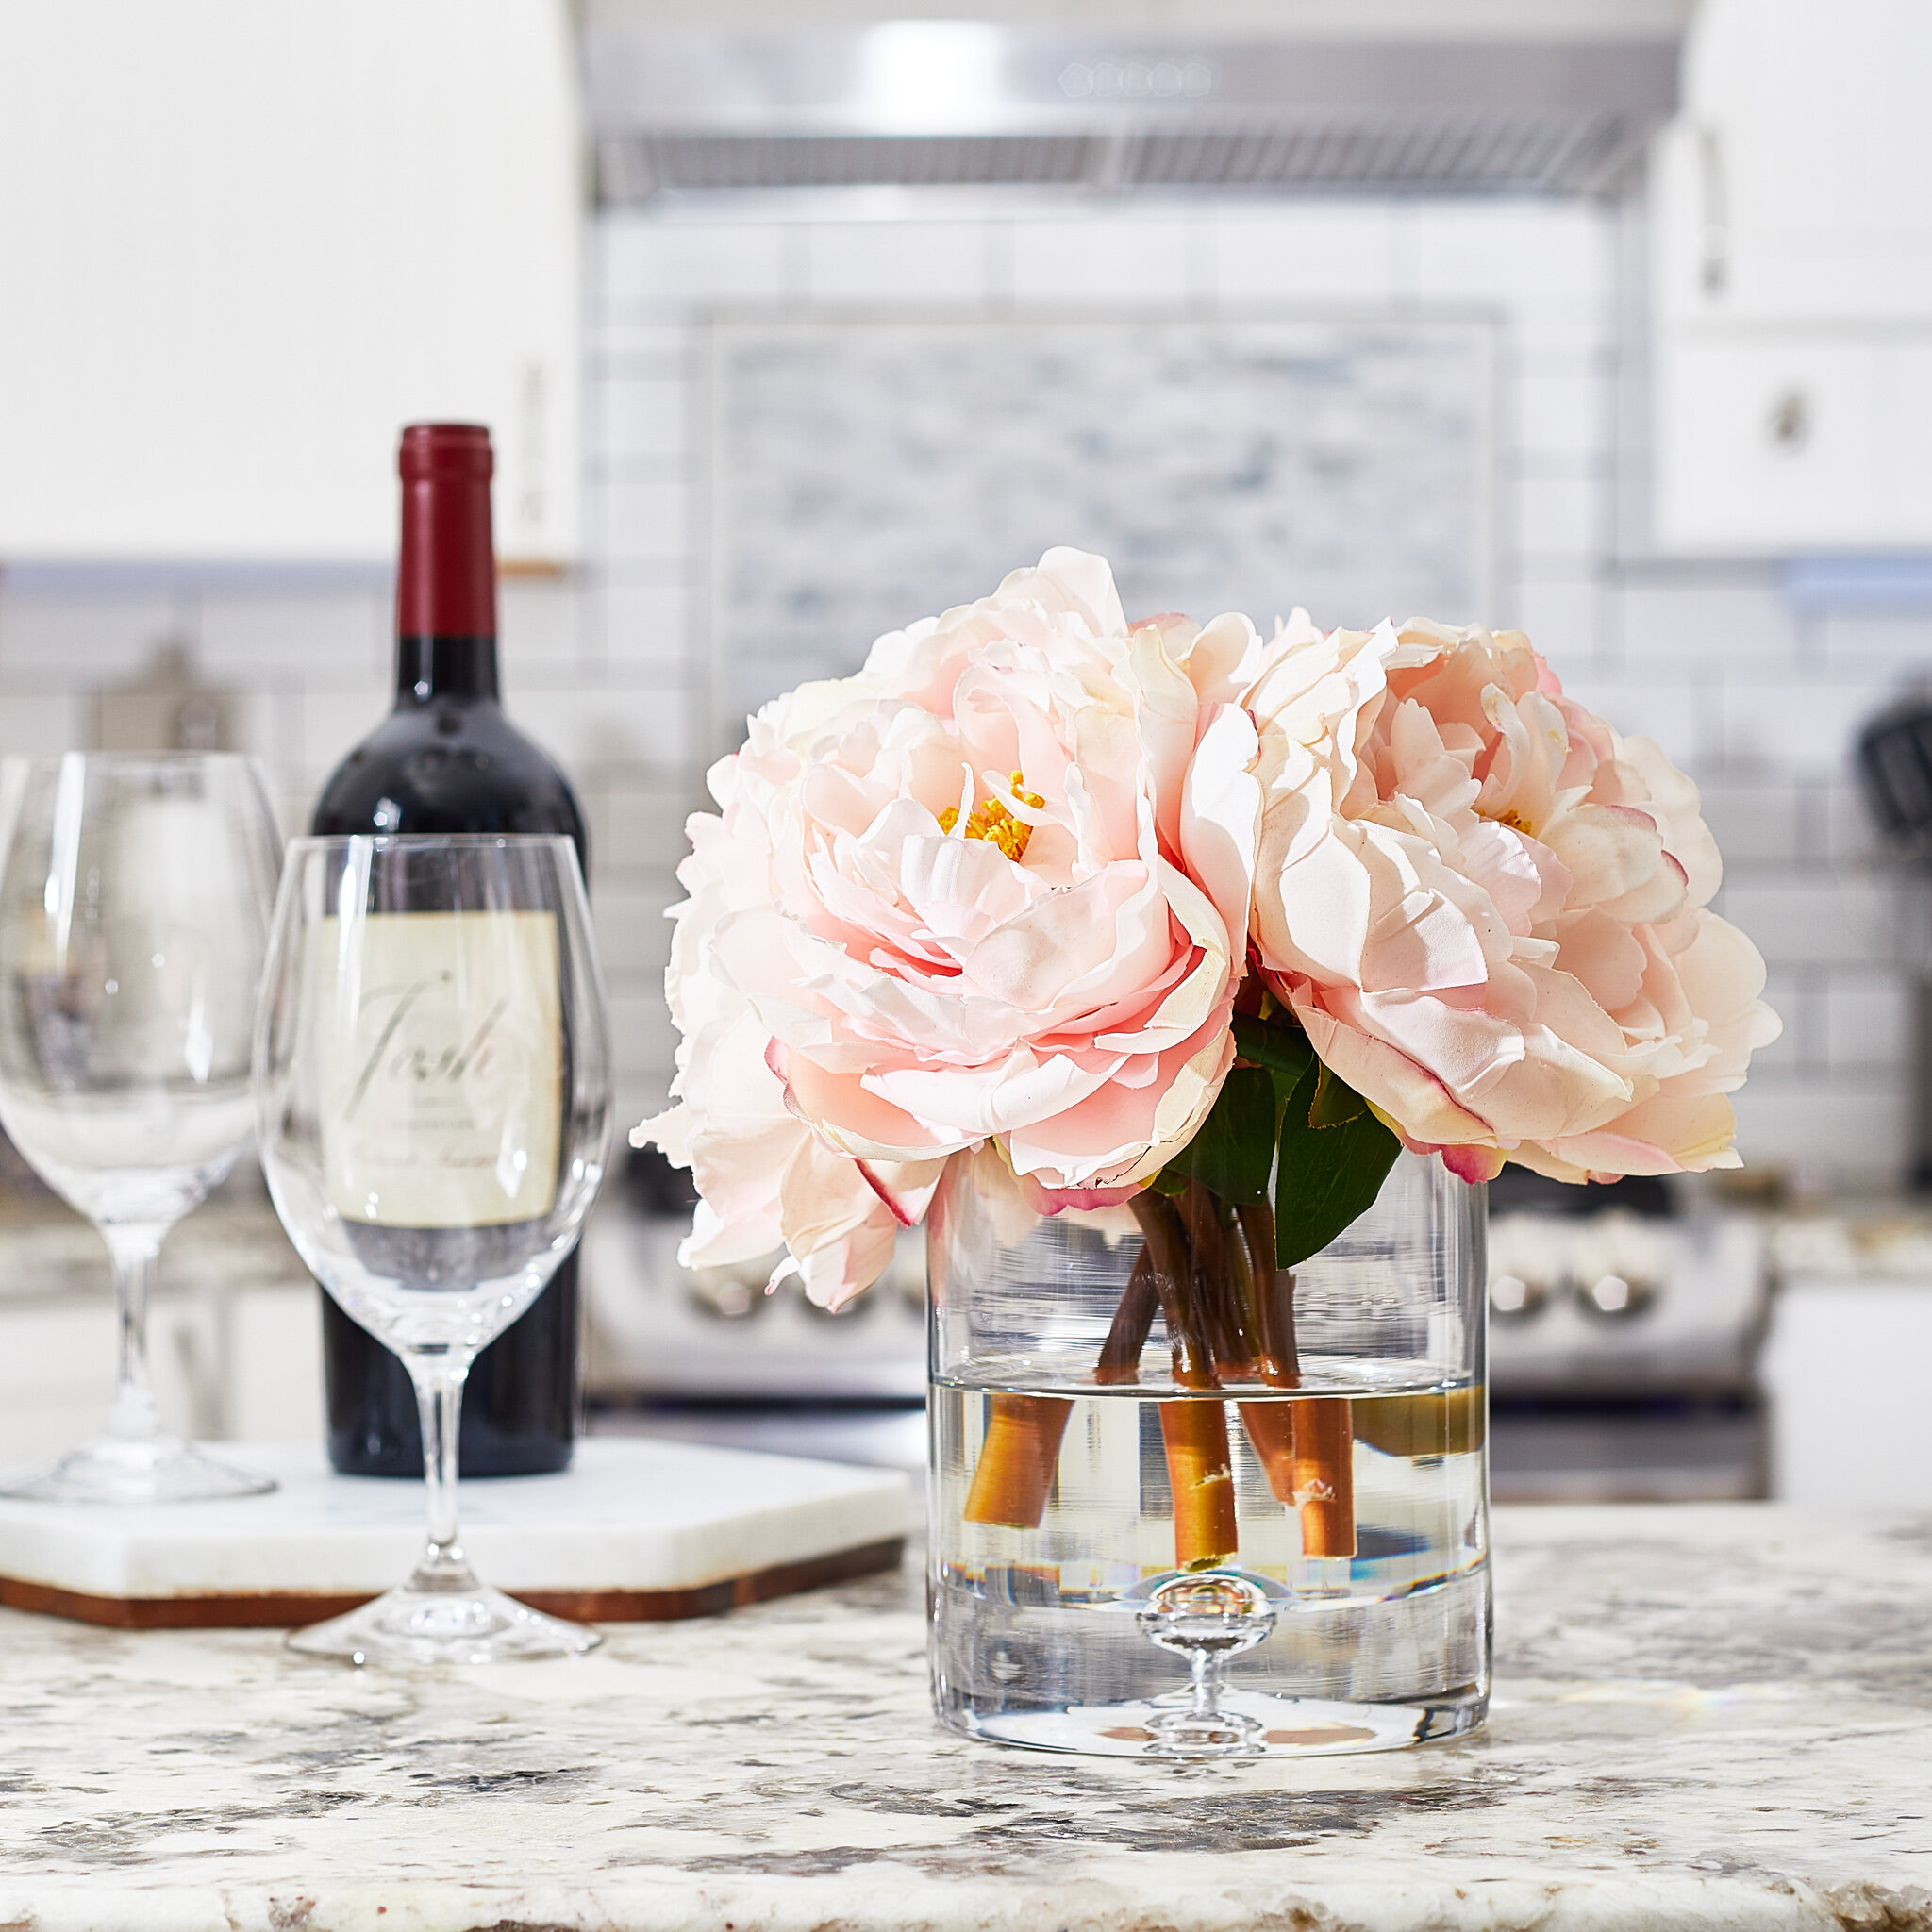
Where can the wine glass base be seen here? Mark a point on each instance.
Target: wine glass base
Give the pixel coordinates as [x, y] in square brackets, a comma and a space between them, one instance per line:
[405, 1627]
[143, 1469]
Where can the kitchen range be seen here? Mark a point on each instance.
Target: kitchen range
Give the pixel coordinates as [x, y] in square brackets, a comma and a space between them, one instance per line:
[1625, 1328]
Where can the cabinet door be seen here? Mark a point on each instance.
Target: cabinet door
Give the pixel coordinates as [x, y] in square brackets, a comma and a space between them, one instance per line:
[1800, 177]
[1772, 441]
[1768, 446]
[1910, 364]
[241, 245]
[1842, 1367]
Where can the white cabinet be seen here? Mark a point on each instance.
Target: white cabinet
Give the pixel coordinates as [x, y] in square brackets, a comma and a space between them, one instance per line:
[1792, 439]
[241, 245]
[1793, 214]
[1843, 1372]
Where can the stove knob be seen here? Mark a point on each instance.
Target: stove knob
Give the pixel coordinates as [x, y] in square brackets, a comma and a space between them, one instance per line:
[1512, 1298]
[728, 1294]
[1619, 1296]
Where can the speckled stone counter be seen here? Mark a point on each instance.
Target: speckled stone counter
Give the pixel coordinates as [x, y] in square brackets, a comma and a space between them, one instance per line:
[1715, 1716]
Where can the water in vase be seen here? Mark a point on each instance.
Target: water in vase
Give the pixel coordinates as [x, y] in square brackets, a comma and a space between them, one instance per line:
[1337, 1533]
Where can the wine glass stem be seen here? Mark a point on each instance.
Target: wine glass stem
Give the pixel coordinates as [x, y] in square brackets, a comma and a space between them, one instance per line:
[439, 1381]
[136, 1248]
[1207, 1686]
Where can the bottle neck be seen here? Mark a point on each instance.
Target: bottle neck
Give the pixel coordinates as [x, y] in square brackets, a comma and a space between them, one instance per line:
[439, 667]
[446, 566]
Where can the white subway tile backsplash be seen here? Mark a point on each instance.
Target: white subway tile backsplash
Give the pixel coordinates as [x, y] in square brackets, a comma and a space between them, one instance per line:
[633, 935]
[606, 722]
[619, 345]
[1795, 725]
[1562, 614]
[93, 633]
[1875, 644]
[1564, 342]
[1808, 920]
[1560, 517]
[897, 264]
[1751, 824]
[1868, 1019]
[641, 522]
[332, 722]
[1302, 256]
[638, 826]
[643, 1040]
[43, 723]
[1084, 260]
[638, 1096]
[1677, 713]
[640, 625]
[1560, 412]
[1842, 823]
[263, 723]
[1798, 1004]
[1842, 1128]
[244, 633]
[655, 270]
[1524, 257]
[1738, 622]
[637, 416]
[541, 627]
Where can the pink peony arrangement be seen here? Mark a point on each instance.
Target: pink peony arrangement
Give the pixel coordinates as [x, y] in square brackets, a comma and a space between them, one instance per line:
[1038, 879]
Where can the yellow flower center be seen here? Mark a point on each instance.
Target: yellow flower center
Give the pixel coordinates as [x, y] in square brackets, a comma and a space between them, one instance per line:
[991, 820]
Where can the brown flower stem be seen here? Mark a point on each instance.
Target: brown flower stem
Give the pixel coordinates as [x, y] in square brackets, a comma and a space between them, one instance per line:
[1017, 1460]
[1216, 1285]
[1020, 1451]
[1119, 1356]
[1306, 1447]
[1166, 1242]
[1274, 1291]
[1270, 1425]
[1201, 1473]
[1325, 1474]
[1200, 1470]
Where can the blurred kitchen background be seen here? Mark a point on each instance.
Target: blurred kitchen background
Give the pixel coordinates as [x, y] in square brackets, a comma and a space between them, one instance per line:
[1608, 320]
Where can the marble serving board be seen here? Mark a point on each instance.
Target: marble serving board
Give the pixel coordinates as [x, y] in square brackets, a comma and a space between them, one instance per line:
[637, 1530]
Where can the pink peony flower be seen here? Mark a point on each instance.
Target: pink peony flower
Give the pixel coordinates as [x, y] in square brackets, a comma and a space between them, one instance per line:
[1488, 909]
[994, 888]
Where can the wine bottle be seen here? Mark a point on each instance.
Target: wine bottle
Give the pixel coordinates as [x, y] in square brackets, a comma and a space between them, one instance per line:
[447, 759]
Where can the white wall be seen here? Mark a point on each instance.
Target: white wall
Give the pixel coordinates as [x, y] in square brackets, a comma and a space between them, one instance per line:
[1754, 698]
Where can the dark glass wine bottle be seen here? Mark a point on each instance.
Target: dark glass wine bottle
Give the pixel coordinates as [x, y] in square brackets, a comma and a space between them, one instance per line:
[446, 760]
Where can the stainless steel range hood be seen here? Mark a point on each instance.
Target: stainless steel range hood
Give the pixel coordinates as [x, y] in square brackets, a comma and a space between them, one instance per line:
[971, 102]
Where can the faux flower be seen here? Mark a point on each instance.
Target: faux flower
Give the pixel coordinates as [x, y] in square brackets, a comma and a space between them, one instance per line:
[1490, 911]
[994, 888]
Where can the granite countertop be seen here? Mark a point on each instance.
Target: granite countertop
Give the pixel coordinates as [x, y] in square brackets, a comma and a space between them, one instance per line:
[1705, 1715]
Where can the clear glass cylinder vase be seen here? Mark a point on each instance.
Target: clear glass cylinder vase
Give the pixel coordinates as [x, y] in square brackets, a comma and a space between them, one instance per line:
[1290, 1561]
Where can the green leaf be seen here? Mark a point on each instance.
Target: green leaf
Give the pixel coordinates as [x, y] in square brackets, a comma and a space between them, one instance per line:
[1336, 1102]
[1233, 1151]
[1330, 1168]
[1281, 1049]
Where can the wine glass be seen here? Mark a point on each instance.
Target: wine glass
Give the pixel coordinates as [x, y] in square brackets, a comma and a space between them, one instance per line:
[432, 1074]
[135, 895]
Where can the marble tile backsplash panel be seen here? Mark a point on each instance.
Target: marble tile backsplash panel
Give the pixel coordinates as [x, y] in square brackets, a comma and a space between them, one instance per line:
[870, 470]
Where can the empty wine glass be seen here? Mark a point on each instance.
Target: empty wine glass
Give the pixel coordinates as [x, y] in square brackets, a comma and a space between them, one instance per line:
[432, 1074]
[135, 895]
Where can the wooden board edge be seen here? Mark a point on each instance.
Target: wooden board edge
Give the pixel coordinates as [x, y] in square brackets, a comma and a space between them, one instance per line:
[287, 1610]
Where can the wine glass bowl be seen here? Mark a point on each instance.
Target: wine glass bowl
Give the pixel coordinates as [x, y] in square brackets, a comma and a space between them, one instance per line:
[135, 892]
[433, 1094]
